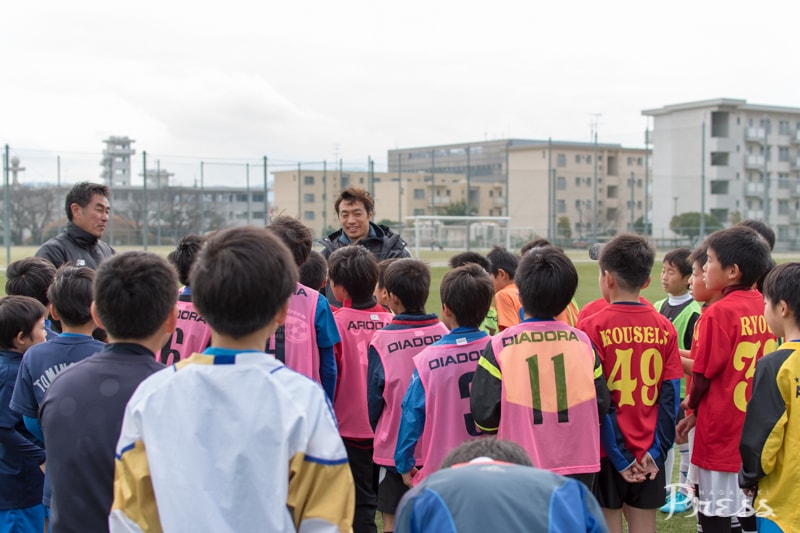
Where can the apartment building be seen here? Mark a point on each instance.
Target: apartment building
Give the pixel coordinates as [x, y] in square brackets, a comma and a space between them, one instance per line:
[737, 160]
[116, 161]
[574, 190]
[310, 195]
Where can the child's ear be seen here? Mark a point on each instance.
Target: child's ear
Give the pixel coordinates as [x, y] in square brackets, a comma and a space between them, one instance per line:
[734, 272]
[19, 343]
[647, 283]
[93, 311]
[52, 310]
[784, 308]
[280, 316]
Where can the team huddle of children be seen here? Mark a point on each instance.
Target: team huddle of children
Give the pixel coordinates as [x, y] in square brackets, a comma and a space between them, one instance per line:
[227, 438]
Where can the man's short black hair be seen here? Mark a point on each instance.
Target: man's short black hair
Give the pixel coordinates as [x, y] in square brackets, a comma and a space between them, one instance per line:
[356, 269]
[184, 255]
[355, 194]
[409, 280]
[314, 271]
[630, 258]
[465, 258]
[762, 229]
[81, 194]
[71, 294]
[499, 450]
[295, 235]
[547, 281]
[30, 277]
[18, 314]
[744, 247]
[500, 258]
[242, 279]
[134, 292]
[783, 283]
[468, 292]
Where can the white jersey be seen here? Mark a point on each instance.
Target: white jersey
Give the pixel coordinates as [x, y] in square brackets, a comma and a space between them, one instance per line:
[230, 442]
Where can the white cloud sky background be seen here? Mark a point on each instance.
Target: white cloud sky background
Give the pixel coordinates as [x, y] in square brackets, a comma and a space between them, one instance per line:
[295, 80]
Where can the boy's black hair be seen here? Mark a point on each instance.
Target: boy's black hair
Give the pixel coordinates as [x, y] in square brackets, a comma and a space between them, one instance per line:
[184, 255]
[491, 447]
[699, 255]
[30, 277]
[679, 258]
[535, 243]
[356, 269]
[744, 247]
[18, 314]
[762, 229]
[134, 292]
[630, 258]
[468, 292]
[410, 280]
[81, 194]
[242, 279]
[71, 294]
[547, 281]
[295, 235]
[465, 258]
[314, 271]
[499, 258]
[783, 283]
[382, 266]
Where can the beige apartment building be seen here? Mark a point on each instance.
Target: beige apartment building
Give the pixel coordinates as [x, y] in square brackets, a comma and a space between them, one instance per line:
[310, 195]
[553, 191]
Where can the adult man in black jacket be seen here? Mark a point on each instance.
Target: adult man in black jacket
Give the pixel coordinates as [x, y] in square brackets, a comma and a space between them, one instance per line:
[79, 243]
[355, 208]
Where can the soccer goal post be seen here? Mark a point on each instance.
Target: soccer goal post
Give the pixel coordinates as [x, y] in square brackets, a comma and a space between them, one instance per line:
[439, 231]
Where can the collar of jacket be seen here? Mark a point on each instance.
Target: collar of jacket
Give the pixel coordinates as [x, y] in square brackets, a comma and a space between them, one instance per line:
[80, 236]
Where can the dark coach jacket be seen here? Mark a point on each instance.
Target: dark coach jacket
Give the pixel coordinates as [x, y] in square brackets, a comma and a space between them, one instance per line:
[381, 241]
[75, 246]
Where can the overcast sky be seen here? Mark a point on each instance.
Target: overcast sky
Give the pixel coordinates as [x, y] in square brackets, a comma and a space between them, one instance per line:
[307, 80]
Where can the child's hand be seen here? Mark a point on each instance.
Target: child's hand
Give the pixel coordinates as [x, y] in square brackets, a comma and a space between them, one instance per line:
[408, 478]
[632, 473]
[647, 467]
[683, 427]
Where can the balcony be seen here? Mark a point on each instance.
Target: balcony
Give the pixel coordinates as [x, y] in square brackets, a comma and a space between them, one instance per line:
[754, 161]
[754, 134]
[758, 214]
[796, 137]
[441, 200]
[796, 163]
[753, 189]
[499, 200]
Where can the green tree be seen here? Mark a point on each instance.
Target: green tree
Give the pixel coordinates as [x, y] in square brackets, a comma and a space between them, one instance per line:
[639, 226]
[688, 224]
[458, 209]
[563, 227]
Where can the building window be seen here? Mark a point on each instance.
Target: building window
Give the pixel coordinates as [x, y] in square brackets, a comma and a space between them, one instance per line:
[308, 198]
[783, 127]
[561, 183]
[561, 160]
[577, 204]
[308, 180]
[577, 181]
[630, 161]
[783, 233]
[719, 187]
[258, 197]
[589, 158]
[308, 215]
[242, 198]
[719, 123]
[577, 158]
[783, 153]
[612, 191]
[419, 212]
[562, 206]
[783, 207]
[344, 182]
[720, 214]
[587, 181]
[719, 159]
[419, 194]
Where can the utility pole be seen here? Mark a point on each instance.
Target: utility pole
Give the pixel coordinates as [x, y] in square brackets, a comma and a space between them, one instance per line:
[646, 181]
[433, 180]
[632, 200]
[266, 193]
[158, 199]
[551, 193]
[202, 202]
[766, 175]
[468, 213]
[594, 204]
[400, 188]
[247, 178]
[144, 200]
[324, 196]
[703, 184]
[6, 208]
[299, 181]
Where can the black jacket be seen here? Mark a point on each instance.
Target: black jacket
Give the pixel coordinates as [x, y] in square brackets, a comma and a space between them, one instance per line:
[384, 245]
[75, 246]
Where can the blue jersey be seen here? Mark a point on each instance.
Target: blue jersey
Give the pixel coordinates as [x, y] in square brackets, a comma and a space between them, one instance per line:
[21, 479]
[485, 496]
[41, 364]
